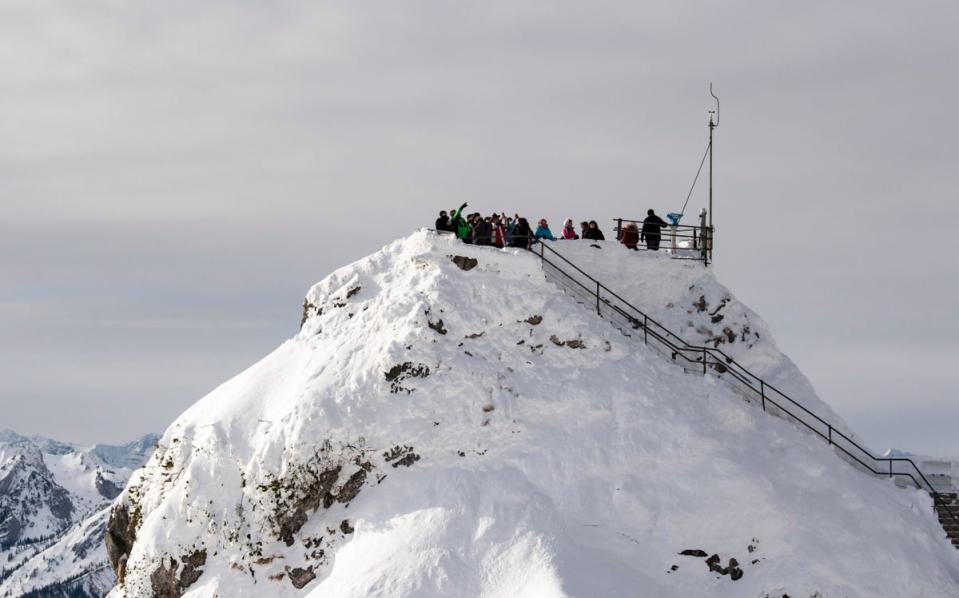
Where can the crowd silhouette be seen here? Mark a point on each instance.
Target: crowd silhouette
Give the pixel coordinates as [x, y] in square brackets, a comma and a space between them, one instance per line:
[500, 230]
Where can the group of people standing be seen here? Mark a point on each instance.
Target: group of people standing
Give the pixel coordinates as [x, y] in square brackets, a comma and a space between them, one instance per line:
[651, 233]
[500, 230]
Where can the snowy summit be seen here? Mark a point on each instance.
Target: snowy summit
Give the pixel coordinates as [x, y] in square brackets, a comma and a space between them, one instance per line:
[449, 422]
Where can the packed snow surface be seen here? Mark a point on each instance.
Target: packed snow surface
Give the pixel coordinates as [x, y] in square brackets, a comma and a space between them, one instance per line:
[445, 427]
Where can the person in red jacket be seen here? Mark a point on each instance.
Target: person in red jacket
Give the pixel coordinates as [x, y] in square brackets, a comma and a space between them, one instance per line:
[630, 236]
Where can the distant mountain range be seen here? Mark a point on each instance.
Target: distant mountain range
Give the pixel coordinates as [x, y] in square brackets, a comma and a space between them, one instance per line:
[54, 503]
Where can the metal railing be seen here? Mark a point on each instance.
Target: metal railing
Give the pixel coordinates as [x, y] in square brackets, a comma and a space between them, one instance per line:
[713, 361]
[681, 241]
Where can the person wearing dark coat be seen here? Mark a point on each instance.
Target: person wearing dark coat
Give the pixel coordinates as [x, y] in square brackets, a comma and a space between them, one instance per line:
[652, 231]
[521, 234]
[593, 233]
[443, 222]
[482, 231]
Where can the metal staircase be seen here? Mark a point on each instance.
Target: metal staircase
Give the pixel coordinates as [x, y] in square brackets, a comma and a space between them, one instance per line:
[704, 360]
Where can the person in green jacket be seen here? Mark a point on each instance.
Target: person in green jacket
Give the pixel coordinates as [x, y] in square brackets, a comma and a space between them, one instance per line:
[459, 224]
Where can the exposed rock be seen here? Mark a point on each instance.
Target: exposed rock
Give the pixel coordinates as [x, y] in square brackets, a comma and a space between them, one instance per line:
[106, 488]
[300, 577]
[401, 372]
[346, 528]
[572, 344]
[534, 320]
[353, 291]
[713, 564]
[465, 263]
[192, 564]
[407, 460]
[165, 581]
[307, 307]
[701, 305]
[352, 487]
[317, 492]
[401, 455]
[735, 572]
[694, 552]
[438, 326]
[120, 535]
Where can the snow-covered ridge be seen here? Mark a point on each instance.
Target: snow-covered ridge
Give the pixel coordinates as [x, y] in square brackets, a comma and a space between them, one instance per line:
[447, 422]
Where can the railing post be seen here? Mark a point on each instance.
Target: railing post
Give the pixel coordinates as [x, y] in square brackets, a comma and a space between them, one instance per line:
[598, 313]
[645, 329]
[762, 393]
[704, 361]
[619, 228]
[890, 467]
[540, 250]
[830, 434]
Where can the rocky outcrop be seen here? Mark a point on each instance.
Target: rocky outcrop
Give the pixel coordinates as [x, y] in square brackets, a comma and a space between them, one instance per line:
[119, 538]
[171, 579]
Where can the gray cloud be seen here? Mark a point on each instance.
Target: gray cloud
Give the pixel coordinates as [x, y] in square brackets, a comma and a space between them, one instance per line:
[175, 175]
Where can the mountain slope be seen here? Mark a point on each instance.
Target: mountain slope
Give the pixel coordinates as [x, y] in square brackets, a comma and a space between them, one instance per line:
[449, 423]
[54, 501]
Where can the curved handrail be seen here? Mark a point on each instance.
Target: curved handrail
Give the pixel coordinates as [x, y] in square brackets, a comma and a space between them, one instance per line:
[724, 363]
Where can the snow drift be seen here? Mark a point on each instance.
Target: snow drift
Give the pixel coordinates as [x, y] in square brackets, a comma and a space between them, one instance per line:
[448, 422]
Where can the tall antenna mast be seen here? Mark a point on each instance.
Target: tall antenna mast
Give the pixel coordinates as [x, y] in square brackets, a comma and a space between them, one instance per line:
[713, 123]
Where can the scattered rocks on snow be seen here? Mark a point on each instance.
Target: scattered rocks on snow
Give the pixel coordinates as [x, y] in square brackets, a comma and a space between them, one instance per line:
[401, 372]
[714, 563]
[534, 320]
[438, 326]
[701, 305]
[572, 344]
[346, 528]
[401, 455]
[465, 263]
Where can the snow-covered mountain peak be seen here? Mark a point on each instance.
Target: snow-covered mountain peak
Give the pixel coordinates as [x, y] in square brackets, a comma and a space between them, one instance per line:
[448, 422]
[48, 491]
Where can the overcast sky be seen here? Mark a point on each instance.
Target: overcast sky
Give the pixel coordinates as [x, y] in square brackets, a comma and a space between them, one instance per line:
[174, 176]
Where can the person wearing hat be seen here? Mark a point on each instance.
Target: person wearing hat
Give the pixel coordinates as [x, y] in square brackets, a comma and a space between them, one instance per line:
[543, 232]
[443, 222]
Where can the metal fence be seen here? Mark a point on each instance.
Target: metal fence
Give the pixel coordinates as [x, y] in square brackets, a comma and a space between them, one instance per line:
[709, 361]
[681, 241]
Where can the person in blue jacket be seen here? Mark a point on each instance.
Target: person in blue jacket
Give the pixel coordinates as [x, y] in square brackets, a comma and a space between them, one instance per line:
[543, 232]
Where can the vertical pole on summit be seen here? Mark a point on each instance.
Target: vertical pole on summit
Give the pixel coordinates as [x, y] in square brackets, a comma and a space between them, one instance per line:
[712, 125]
